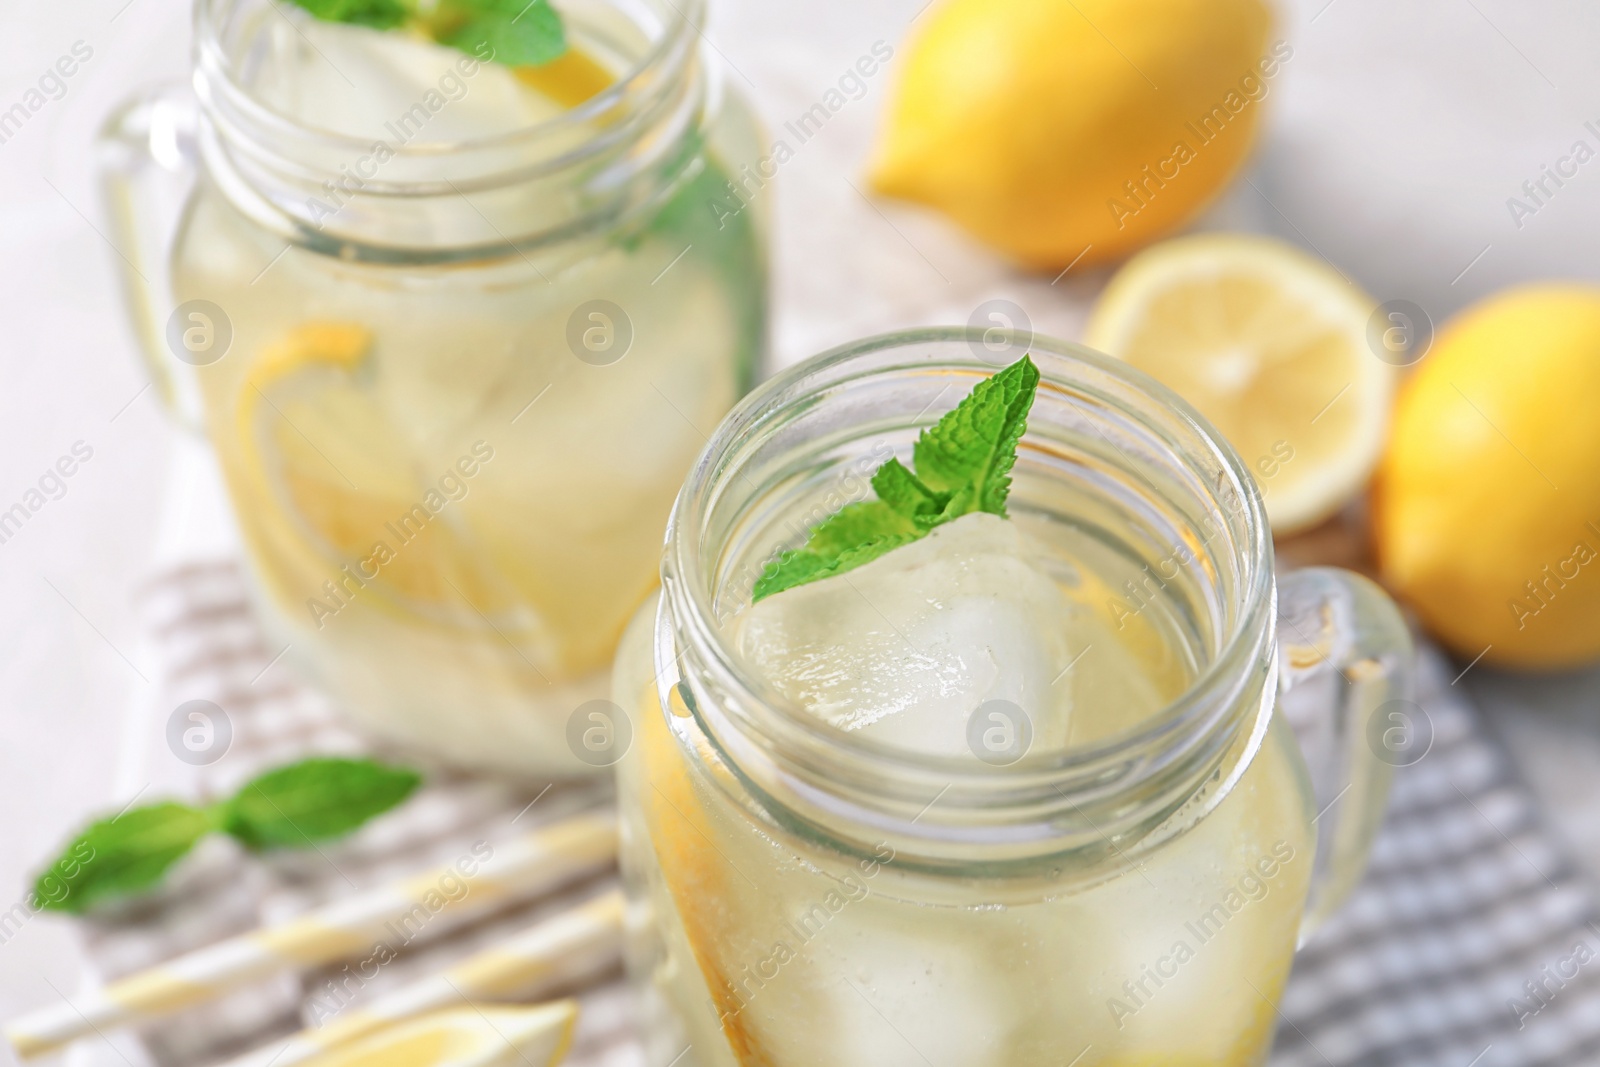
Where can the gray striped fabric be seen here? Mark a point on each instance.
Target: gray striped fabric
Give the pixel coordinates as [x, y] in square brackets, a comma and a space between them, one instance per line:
[212, 649]
[1473, 939]
[1472, 943]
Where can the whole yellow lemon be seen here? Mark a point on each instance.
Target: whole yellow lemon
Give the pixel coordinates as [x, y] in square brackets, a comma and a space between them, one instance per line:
[1054, 129]
[1487, 504]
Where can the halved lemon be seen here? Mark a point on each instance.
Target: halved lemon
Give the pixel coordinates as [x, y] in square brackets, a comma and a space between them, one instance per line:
[1269, 344]
[537, 1036]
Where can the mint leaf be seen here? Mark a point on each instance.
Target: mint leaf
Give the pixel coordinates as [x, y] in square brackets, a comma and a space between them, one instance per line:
[123, 854]
[969, 453]
[855, 534]
[805, 565]
[856, 524]
[963, 465]
[295, 805]
[377, 14]
[904, 492]
[513, 32]
[314, 800]
[510, 32]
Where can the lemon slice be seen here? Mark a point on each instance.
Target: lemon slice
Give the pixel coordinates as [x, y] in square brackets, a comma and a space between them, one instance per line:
[330, 482]
[713, 913]
[1271, 346]
[570, 79]
[465, 1037]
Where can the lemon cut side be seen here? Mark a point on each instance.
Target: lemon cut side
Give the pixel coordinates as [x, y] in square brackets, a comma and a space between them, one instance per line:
[537, 1036]
[1271, 346]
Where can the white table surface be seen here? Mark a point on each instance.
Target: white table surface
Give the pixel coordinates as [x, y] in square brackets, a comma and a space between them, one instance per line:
[1396, 133]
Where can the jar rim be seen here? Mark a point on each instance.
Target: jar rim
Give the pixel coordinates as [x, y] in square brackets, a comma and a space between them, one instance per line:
[664, 54]
[1202, 715]
[392, 196]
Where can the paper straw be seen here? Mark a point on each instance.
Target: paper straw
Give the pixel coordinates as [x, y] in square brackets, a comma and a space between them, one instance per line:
[523, 867]
[574, 944]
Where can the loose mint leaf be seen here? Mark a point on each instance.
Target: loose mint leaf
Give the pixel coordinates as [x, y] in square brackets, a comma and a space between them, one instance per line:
[512, 32]
[294, 805]
[963, 465]
[377, 14]
[123, 854]
[969, 453]
[314, 800]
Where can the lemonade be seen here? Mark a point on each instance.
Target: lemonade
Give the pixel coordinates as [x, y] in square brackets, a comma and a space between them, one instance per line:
[986, 764]
[463, 385]
[775, 949]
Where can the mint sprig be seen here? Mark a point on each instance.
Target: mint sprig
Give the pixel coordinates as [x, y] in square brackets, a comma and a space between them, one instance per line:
[514, 33]
[296, 805]
[963, 464]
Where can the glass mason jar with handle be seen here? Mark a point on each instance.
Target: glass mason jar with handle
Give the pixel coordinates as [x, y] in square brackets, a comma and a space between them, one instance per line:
[808, 894]
[455, 331]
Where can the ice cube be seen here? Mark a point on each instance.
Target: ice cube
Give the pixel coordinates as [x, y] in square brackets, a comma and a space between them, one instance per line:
[880, 991]
[412, 90]
[908, 647]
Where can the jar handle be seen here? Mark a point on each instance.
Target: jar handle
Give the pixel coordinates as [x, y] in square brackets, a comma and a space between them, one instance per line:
[1345, 671]
[148, 162]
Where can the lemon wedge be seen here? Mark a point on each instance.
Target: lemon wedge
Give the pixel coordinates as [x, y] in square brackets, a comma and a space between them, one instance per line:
[1271, 346]
[535, 1036]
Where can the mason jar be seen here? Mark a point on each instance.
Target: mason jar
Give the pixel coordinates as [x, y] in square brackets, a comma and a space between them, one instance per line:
[454, 331]
[806, 894]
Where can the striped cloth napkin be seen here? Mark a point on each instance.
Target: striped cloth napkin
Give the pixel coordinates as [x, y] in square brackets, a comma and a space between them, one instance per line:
[200, 619]
[1473, 942]
[1473, 939]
